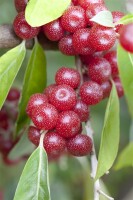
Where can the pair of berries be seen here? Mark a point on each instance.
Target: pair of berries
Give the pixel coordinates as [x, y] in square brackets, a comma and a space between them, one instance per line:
[60, 112]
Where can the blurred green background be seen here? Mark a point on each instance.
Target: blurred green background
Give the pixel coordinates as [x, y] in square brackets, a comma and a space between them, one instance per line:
[68, 178]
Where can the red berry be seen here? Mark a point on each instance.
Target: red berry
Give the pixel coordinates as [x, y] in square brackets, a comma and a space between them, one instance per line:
[87, 58]
[34, 135]
[119, 86]
[81, 42]
[106, 86]
[47, 91]
[82, 110]
[75, 2]
[35, 101]
[20, 5]
[54, 144]
[45, 116]
[99, 70]
[92, 10]
[126, 39]
[80, 145]
[73, 19]
[102, 38]
[63, 97]
[111, 56]
[13, 95]
[91, 93]
[117, 15]
[53, 30]
[66, 46]
[86, 3]
[4, 120]
[68, 124]
[23, 29]
[68, 76]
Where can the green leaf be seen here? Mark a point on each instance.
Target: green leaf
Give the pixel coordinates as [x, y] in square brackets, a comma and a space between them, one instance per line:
[126, 19]
[10, 64]
[125, 63]
[40, 12]
[34, 82]
[34, 181]
[104, 18]
[110, 135]
[125, 158]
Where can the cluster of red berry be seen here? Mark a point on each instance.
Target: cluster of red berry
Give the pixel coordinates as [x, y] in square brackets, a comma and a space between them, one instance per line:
[60, 111]
[8, 116]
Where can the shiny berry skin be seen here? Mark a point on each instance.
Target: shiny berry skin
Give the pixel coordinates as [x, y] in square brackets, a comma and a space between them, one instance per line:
[111, 56]
[68, 76]
[68, 124]
[53, 30]
[80, 145]
[119, 86]
[106, 86]
[13, 95]
[34, 135]
[53, 143]
[82, 110]
[81, 42]
[66, 46]
[86, 3]
[20, 5]
[23, 29]
[126, 35]
[92, 10]
[73, 19]
[63, 97]
[102, 38]
[117, 15]
[91, 93]
[45, 116]
[99, 70]
[35, 101]
[47, 91]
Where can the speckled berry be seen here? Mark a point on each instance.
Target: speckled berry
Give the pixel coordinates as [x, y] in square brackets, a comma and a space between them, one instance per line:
[68, 76]
[111, 56]
[73, 19]
[23, 29]
[91, 93]
[102, 38]
[80, 145]
[117, 15]
[47, 91]
[86, 3]
[119, 87]
[126, 39]
[66, 46]
[20, 5]
[82, 110]
[99, 70]
[53, 143]
[63, 97]
[81, 42]
[45, 116]
[35, 101]
[13, 95]
[34, 135]
[106, 87]
[53, 30]
[68, 124]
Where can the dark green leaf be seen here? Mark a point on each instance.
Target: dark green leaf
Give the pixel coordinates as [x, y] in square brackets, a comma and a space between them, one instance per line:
[34, 181]
[40, 12]
[34, 82]
[10, 64]
[126, 19]
[125, 63]
[110, 135]
[125, 159]
[104, 18]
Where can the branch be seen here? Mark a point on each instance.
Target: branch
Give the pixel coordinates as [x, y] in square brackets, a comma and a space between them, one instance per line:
[8, 39]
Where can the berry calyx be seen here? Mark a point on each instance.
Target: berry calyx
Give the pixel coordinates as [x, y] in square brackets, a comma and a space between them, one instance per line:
[80, 145]
[68, 124]
[67, 76]
[34, 135]
[91, 93]
[45, 116]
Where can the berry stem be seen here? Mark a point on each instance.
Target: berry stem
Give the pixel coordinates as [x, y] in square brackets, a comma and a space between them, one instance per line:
[42, 138]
